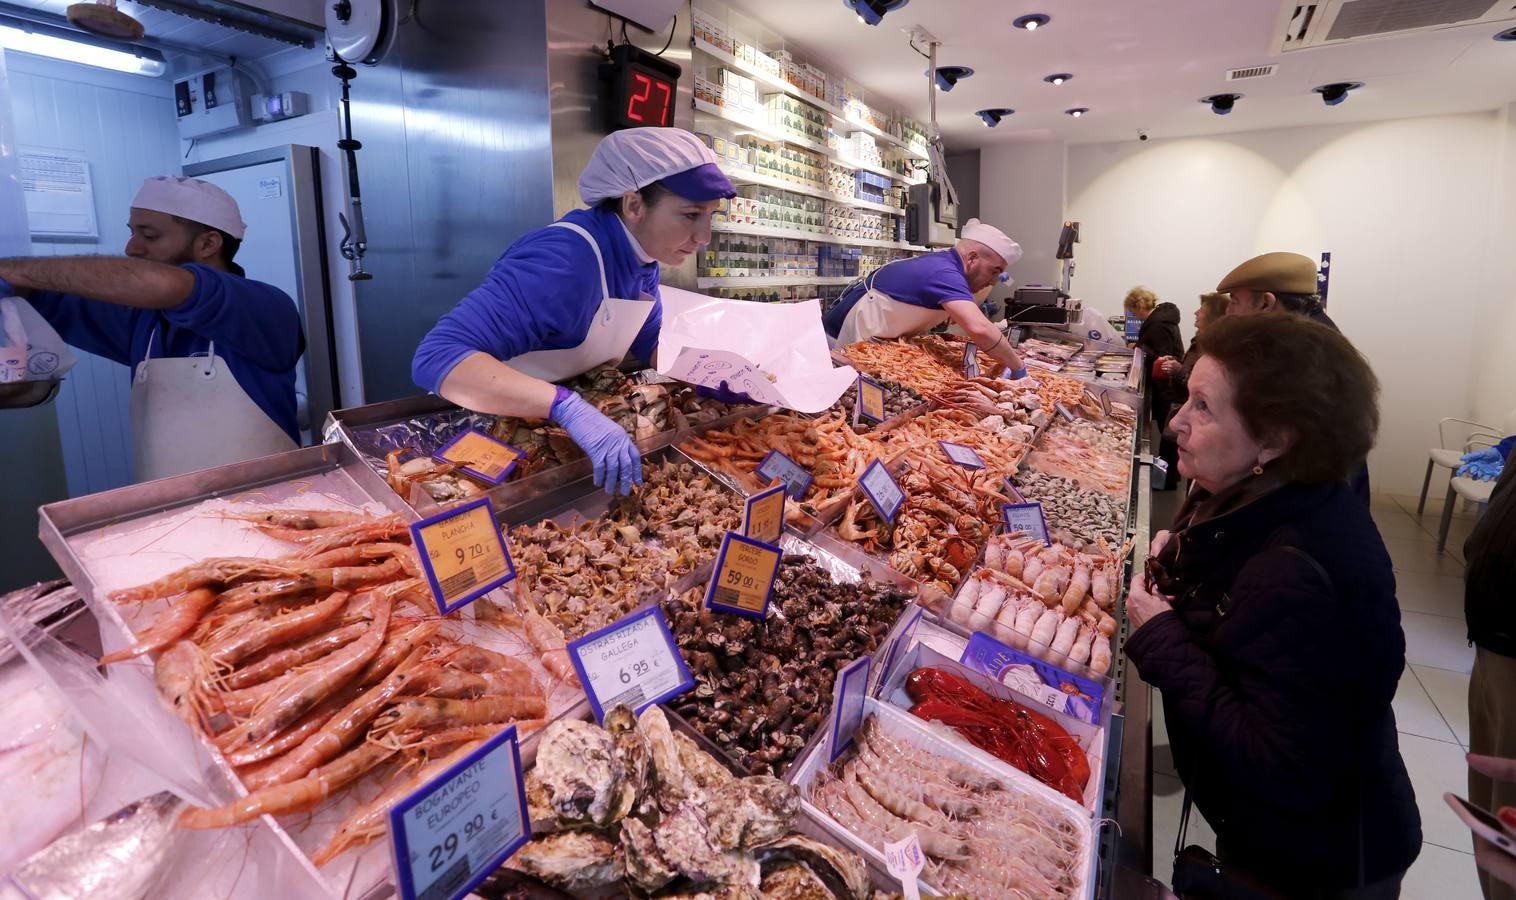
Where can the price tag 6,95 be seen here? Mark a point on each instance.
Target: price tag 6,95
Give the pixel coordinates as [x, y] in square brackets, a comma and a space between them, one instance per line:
[763, 517]
[880, 487]
[743, 582]
[870, 399]
[463, 553]
[795, 477]
[481, 455]
[1026, 518]
[451, 834]
[633, 662]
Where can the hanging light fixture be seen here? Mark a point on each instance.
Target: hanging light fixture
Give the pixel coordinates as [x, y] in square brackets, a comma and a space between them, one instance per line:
[948, 76]
[1076, 112]
[1058, 79]
[1032, 22]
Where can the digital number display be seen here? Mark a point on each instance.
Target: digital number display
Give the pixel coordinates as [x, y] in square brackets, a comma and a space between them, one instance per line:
[650, 100]
[639, 88]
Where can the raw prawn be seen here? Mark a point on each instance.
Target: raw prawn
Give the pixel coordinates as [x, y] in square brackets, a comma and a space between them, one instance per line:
[279, 662]
[169, 627]
[428, 711]
[437, 681]
[301, 519]
[295, 796]
[244, 642]
[345, 578]
[207, 573]
[183, 675]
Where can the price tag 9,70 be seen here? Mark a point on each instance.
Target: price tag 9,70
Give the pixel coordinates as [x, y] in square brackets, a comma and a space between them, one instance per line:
[463, 553]
[870, 399]
[763, 516]
[1026, 518]
[743, 582]
[880, 487]
[481, 455]
[459, 827]
[632, 662]
[795, 477]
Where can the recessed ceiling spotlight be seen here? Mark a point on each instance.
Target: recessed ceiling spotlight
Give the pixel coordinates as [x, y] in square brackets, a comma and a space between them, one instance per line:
[871, 12]
[947, 76]
[1221, 104]
[992, 117]
[1076, 112]
[1335, 93]
[1060, 78]
[1032, 22]
[1508, 35]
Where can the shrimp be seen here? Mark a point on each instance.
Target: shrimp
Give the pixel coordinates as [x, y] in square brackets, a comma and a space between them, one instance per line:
[436, 681]
[397, 647]
[169, 627]
[207, 573]
[291, 738]
[1063, 639]
[989, 604]
[1080, 652]
[333, 538]
[294, 796]
[548, 641]
[1047, 627]
[1073, 598]
[369, 822]
[182, 676]
[254, 638]
[301, 519]
[340, 731]
[932, 842]
[248, 596]
[423, 712]
[405, 553]
[362, 525]
[316, 683]
[1100, 656]
[425, 740]
[280, 662]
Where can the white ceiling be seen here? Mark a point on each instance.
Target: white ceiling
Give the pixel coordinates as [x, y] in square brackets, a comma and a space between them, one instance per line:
[1138, 65]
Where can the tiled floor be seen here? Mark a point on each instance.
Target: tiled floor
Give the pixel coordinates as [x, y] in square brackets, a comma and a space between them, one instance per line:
[1431, 706]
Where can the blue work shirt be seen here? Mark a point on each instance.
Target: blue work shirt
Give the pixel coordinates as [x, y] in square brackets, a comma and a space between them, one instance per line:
[542, 294]
[929, 281]
[256, 328]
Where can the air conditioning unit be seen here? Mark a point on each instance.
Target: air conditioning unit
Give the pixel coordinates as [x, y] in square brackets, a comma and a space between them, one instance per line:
[1324, 23]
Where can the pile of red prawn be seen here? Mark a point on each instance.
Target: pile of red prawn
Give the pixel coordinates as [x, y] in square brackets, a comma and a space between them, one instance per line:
[312, 670]
[1019, 735]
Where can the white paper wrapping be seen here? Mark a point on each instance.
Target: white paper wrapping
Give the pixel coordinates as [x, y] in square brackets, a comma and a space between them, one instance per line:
[776, 353]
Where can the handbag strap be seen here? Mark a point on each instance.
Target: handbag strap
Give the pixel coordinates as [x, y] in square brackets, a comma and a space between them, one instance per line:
[1184, 824]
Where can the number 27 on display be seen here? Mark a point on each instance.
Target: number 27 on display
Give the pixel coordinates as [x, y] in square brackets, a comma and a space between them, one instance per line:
[639, 105]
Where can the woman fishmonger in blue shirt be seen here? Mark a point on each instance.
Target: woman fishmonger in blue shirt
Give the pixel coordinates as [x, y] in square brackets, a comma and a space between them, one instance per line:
[580, 293]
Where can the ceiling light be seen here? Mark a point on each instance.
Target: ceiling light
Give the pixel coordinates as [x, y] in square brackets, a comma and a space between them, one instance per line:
[871, 12]
[1508, 35]
[1335, 93]
[1221, 104]
[1060, 78]
[1032, 22]
[73, 46]
[993, 116]
[947, 76]
[1076, 112]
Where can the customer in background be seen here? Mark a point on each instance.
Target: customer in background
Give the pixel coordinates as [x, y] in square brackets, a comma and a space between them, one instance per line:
[1176, 375]
[1273, 593]
[1158, 337]
[1489, 607]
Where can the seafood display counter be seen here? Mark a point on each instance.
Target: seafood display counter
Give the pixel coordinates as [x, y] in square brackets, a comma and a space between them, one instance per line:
[270, 631]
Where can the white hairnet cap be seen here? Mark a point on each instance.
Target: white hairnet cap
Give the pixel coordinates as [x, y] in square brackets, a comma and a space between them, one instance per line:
[636, 157]
[993, 238]
[193, 199]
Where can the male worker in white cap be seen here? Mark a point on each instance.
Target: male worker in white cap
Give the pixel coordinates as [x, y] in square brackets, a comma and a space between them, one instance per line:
[910, 296]
[212, 352]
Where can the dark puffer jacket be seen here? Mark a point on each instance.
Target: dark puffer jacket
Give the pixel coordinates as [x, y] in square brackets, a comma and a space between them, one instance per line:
[1159, 334]
[1277, 670]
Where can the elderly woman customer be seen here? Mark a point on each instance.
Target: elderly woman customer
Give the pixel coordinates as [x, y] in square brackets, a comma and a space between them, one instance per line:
[1175, 373]
[1158, 337]
[1268, 622]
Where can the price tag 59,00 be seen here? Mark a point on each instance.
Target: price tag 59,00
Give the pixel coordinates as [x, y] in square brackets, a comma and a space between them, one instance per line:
[633, 662]
[463, 553]
[743, 582]
[1026, 518]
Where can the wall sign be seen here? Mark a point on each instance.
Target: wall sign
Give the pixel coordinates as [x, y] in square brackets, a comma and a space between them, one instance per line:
[59, 193]
[632, 662]
[463, 553]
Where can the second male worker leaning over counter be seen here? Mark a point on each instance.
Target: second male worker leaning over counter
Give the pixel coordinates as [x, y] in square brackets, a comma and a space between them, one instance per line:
[910, 296]
[580, 293]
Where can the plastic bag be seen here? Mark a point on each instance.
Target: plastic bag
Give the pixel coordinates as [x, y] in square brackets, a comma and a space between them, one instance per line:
[31, 349]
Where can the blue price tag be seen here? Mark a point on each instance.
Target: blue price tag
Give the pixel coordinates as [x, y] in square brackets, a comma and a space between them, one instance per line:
[870, 400]
[480, 455]
[963, 456]
[1018, 334]
[880, 487]
[1026, 518]
[970, 360]
[847, 705]
[898, 640]
[632, 662]
[795, 477]
[1042, 681]
[1063, 411]
[463, 553]
[452, 833]
[743, 581]
[1011, 490]
[763, 515]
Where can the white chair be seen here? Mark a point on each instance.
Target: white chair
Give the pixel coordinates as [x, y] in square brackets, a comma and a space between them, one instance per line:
[1460, 486]
[1449, 457]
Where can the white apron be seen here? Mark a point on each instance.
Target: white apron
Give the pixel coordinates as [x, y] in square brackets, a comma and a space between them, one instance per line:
[878, 315]
[612, 331]
[189, 413]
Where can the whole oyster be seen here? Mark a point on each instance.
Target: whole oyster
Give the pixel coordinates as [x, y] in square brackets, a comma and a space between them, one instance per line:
[794, 881]
[683, 838]
[751, 811]
[570, 860]
[699, 766]
[634, 755]
[645, 865]
[673, 784]
[843, 872]
[578, 780]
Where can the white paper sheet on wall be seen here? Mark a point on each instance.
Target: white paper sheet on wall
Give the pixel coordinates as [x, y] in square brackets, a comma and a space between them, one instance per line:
[776, 353]
[60, 197]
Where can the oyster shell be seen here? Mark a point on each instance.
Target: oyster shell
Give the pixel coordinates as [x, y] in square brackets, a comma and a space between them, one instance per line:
[636, 760]
[645, 865]
[570, 860]
[673, 784]
[578, 779]
[699, 766]
[751, 811]
[684, 840]
[794, 881]
[843, 872]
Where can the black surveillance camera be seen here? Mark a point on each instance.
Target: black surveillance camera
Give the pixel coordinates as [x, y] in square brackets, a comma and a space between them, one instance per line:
[1335, 93]
[1142, 135]
[1221, 104]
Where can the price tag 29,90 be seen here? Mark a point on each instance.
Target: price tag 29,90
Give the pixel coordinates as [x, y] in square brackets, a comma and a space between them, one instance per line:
[880, 487]
[970, 360]
[795, 477]
[459, 827]
[962, 455]
[763, 516]
[632, 662]
[743, 582]
[905, 861]
[870, 399]
[463, 553]
[1026, 518]
[481, 455]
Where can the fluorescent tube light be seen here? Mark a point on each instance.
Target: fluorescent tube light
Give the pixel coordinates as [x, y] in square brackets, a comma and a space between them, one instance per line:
[58, 43]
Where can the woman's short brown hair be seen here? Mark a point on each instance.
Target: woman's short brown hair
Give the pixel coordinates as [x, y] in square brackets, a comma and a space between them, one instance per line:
[1297, 377]
[1214, 304]
[1139, 300]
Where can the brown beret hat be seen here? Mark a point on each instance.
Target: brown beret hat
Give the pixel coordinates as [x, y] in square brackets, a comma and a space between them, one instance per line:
[1287, 273]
